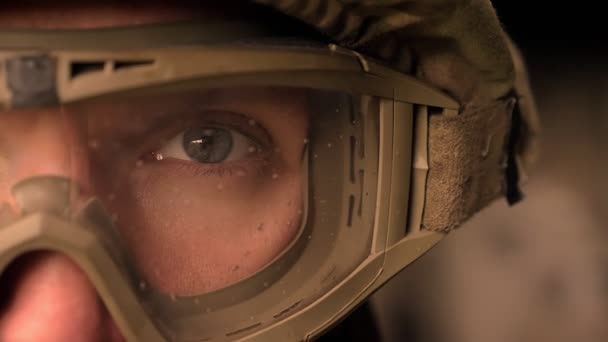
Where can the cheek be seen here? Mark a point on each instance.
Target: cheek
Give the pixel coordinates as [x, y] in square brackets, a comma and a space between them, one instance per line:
[4, 188]
[191, 234]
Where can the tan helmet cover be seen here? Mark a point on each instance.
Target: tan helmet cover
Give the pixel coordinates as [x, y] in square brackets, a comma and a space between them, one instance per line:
[460, 47]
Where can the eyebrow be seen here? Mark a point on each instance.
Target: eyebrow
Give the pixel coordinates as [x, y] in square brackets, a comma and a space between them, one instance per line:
[68, 14]
[71, 14]
[154, 114]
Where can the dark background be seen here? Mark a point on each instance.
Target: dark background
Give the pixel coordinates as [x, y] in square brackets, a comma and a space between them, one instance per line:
[538, 271]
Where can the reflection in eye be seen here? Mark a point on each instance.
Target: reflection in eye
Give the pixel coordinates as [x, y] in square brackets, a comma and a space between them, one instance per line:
[208, 145]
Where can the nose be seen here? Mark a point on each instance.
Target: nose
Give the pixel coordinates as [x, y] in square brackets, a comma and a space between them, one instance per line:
[47, 298]
[43, 143]
[44, 296]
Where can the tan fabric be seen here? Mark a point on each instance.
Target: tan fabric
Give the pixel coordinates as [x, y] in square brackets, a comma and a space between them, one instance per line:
[467, 171]
[459, 47]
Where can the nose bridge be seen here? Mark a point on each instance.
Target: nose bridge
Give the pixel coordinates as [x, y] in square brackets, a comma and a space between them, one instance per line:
[43, 143]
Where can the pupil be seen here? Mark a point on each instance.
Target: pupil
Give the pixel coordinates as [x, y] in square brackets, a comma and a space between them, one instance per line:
[208, 144]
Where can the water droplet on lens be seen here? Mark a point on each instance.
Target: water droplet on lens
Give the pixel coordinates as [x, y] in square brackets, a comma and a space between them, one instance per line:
[251, 318]
[142, 285]
[275, 176]
[197, 301]
[316, 156]
[329, 145]
[309, 237]
[94, 144]
[252, 122]
[220, 187]
[139, 163]
[173, 298]
[284, 292]
[341, 137]
[305, 141]
[111, 197]
[265, 284]
[252, 149]
[208, 310]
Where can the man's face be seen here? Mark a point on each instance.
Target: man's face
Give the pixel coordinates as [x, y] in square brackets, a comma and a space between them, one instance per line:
[205, 186]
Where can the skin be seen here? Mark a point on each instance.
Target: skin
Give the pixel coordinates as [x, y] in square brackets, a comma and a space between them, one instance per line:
[191, 227]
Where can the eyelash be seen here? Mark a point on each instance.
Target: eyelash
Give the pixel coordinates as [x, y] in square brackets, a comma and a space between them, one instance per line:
[258, 166]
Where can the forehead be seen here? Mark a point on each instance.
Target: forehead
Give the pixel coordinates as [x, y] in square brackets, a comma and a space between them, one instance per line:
[69, 14]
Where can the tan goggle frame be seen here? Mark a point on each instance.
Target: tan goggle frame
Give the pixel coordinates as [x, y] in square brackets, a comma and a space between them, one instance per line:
[41, 77]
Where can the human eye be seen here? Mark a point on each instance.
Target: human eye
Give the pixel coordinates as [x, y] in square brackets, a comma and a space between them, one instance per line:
[208, 144]
[213, 143]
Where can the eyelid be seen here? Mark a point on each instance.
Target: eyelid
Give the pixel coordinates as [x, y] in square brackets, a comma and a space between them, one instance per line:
[171, 125]
[244, 124]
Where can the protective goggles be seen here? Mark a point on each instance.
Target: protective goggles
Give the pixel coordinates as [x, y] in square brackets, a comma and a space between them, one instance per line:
[216, 192]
